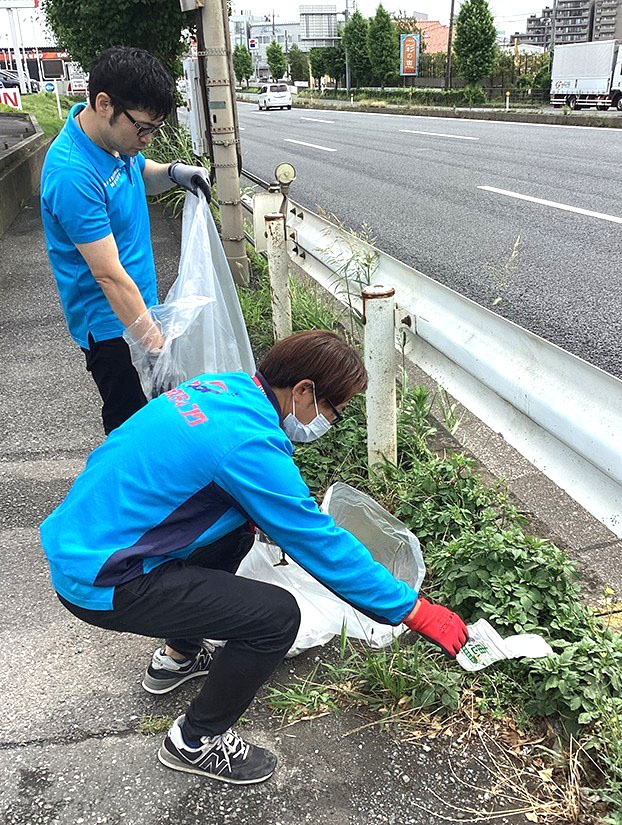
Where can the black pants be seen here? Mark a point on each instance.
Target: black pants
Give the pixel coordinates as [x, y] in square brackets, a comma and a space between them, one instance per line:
[187, 601]
[110, 364]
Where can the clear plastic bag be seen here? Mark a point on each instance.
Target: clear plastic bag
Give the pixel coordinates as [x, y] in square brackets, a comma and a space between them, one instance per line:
[323, 614]
[201, 319]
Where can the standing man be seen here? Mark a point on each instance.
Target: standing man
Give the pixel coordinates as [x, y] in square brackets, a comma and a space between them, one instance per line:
[149, 537]
[94, 209]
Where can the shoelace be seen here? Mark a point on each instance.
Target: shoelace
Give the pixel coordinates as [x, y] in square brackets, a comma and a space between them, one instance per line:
[233, 746]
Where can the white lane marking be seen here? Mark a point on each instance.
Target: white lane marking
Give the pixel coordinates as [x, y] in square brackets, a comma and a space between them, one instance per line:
[464, 119]
[437, 134]
[564, 206]
[312, 145]
[317, 120]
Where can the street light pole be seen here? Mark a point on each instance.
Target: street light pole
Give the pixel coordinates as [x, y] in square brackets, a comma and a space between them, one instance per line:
[449, 46]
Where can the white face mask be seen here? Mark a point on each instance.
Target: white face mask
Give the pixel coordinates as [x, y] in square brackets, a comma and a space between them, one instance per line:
[304, 433]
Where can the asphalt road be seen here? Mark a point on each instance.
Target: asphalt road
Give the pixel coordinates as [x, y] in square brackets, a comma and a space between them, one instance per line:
[416, 182]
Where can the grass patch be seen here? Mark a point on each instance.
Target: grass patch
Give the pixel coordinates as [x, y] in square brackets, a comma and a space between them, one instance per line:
[482, 562]
[43, 107]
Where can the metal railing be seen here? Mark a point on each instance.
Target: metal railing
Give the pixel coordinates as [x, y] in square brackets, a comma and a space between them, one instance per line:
[560, 412]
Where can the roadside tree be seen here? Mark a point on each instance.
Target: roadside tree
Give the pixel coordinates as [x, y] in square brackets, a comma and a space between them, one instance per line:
[317, 61]
[476, 41]
[383, 47]
[298, 64]
[335, 61]
[242, 63]
[276, 60]
[84, 28]
[354, 39]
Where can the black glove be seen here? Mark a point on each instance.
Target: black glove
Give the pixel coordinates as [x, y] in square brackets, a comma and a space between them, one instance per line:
[191, 178]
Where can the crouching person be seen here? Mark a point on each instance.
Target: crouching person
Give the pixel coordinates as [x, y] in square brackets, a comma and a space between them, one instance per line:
[150, 536]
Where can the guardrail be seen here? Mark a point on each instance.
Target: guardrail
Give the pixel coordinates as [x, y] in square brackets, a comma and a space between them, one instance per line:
[563, 414]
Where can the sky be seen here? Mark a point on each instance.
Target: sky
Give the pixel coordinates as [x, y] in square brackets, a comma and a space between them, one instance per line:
[510, 15]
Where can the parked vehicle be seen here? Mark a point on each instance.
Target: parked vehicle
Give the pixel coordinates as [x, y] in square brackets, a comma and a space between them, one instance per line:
[275, 96]
[587, 74]
[11, 80]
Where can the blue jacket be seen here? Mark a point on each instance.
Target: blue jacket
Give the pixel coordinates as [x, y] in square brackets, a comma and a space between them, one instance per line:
[187, 469]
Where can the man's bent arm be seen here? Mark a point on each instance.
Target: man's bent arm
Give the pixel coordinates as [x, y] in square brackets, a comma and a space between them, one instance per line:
[122, 293]
[155, 176]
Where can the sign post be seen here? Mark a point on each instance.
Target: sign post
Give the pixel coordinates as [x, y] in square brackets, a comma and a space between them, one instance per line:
[410, 49]
[60, 113]
[16, 54]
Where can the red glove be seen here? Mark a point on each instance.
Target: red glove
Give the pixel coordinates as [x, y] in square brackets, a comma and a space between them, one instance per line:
[438, 625]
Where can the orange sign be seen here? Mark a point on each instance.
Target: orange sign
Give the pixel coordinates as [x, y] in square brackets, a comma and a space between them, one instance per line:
[409, 54]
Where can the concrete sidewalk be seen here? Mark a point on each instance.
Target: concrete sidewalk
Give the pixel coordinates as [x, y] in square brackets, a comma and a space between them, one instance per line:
[70, 747]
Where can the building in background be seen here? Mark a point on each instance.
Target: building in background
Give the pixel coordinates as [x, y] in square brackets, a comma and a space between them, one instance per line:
[570, 22]
[318, 27]
[239, 27]
[608, 20]
[285, 34]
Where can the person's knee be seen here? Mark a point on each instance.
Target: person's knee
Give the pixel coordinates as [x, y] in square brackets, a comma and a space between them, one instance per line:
[286, 614]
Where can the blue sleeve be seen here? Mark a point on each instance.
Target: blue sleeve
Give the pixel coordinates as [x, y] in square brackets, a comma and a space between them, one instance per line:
[140, 160]
[265, 482]
[78, 203]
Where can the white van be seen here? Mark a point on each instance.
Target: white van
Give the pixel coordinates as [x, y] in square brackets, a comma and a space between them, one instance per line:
[275, 96]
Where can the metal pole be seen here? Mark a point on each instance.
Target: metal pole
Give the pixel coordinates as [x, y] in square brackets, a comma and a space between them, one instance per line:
[449, 45]
[279, 276]
[16, 55]
[21, 40]
[221, 101]
[379, 321]
[346, 15]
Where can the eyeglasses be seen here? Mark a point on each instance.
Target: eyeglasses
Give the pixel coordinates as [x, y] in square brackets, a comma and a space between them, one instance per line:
[338, 416]
[141, 129]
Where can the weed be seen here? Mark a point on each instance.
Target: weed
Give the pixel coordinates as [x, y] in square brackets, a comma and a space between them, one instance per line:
[154, 724]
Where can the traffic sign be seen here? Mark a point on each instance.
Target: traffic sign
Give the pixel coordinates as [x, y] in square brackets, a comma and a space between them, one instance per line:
[253, 44]
[49, 87]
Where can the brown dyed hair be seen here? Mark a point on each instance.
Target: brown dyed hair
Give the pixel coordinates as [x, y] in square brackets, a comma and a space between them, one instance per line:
[323, 357]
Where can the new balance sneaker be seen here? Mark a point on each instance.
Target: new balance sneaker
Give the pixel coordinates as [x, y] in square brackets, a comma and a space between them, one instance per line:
[165, 674]
[226, 757]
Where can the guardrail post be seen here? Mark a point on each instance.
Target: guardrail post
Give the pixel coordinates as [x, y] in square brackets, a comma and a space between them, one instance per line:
[379, 321]
[279, 275]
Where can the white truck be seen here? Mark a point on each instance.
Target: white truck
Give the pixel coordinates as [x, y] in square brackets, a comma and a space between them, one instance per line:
[587, 74]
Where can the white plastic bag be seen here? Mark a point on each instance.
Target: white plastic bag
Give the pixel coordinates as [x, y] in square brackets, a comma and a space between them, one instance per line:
[323, 614]
[200, 319]
[486, 646]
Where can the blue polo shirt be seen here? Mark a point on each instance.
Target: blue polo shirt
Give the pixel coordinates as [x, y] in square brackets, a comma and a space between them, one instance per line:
[86, 194]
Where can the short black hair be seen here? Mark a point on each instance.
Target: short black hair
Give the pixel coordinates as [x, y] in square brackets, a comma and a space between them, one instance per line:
[134, 79]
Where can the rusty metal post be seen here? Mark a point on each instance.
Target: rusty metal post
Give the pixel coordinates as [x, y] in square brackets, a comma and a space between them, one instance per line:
[279, 275]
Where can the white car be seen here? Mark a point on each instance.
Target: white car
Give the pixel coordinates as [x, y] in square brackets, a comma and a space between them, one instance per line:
[275, 96]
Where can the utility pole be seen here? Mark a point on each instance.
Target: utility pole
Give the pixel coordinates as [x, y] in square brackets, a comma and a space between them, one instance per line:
[346, 15]
[553, 25]
[220, 113]
[449, 46]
